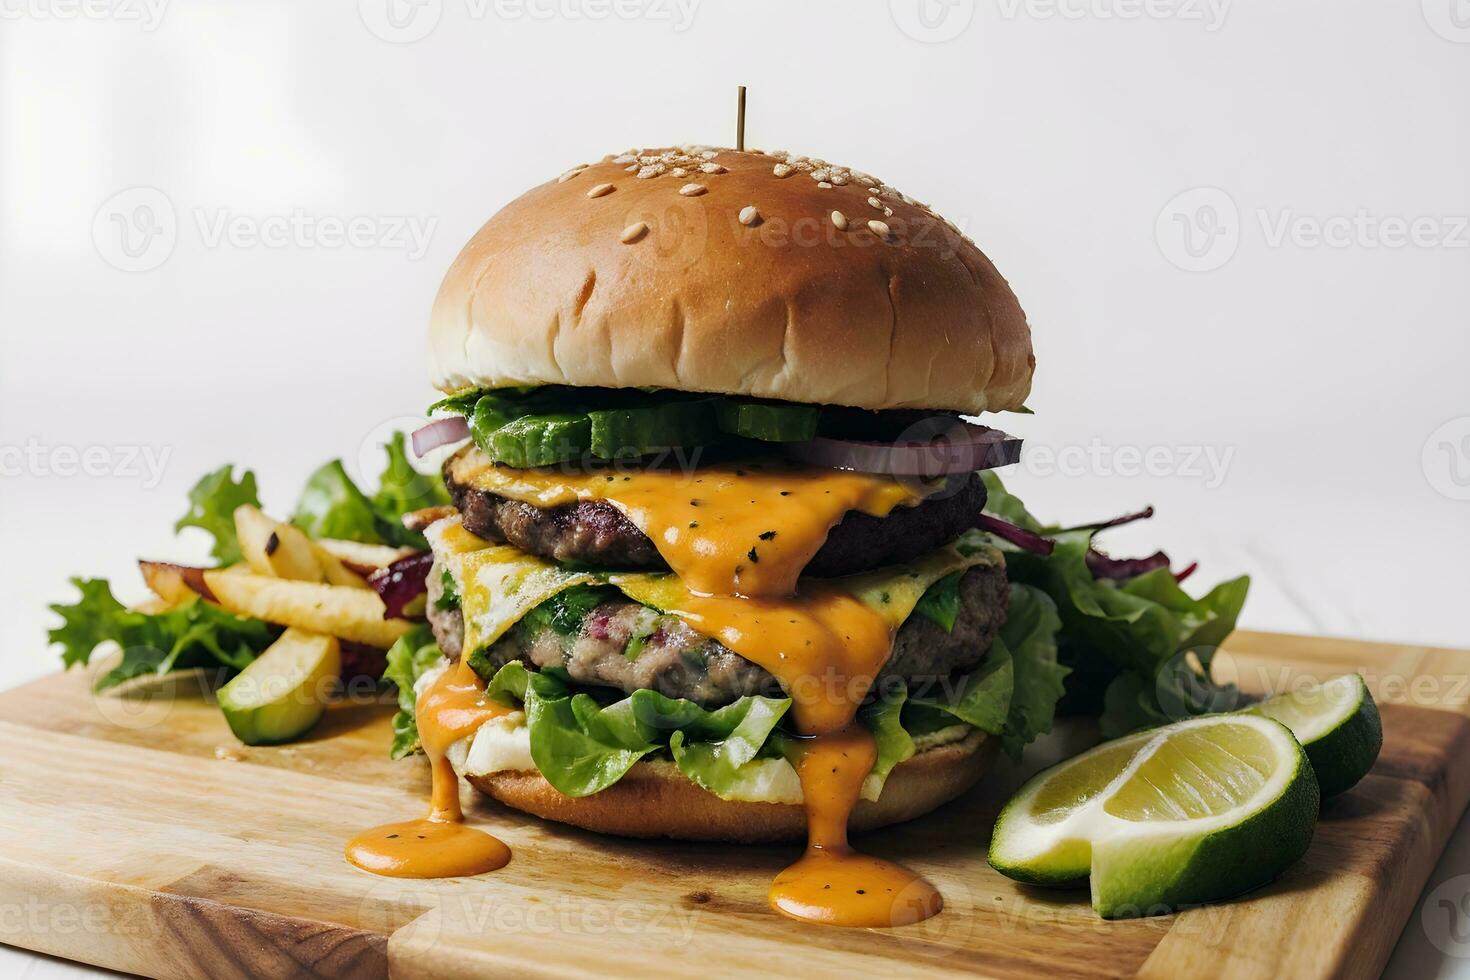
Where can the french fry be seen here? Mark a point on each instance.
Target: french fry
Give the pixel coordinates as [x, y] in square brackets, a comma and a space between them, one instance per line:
[174, 584]
[336, 610]
[154, 605]
[276, 549]
[359, 557]
[336, 570]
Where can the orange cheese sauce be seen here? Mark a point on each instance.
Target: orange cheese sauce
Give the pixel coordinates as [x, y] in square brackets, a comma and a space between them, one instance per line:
[440, 845]
[731, 528]
[832, 883]
[824, 646]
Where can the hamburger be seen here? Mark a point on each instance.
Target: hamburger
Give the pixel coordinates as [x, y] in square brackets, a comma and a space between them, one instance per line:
[718, 420]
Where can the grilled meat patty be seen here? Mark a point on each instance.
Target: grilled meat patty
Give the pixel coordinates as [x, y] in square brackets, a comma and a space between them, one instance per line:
[596, 532]
[679, 662]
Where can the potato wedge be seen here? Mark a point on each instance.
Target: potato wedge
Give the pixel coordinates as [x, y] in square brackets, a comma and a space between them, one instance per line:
[359, 557]
[276, 549]
[174, 584]
[336, 610]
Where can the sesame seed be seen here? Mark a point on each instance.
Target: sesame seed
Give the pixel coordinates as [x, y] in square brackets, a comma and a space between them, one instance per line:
[781, 170]
[711, 168]
[651, 170]
[692, 190]
[878, 228]
[839, 179]
[749, 215]
[819, 175]
[710, 154]
[631, 168]
[600, 190]
[874, 202]
[571, 173]
[624, 158]
[679, 172]
[887, 212]
[840, 220]
[823, 184]
[636, 231]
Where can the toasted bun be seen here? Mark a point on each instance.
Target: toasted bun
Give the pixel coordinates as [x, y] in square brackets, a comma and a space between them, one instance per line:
[656, 800]
[641, 285]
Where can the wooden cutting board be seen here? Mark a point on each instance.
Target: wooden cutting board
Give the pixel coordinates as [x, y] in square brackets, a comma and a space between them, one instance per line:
[138, 835]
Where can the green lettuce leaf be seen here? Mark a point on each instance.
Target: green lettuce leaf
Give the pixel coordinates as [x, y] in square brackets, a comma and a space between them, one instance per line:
[409, 658]
[333, 506]
[212, 503]
[195, 634]
[1030, 637]
[940, 603]
[1146, 638]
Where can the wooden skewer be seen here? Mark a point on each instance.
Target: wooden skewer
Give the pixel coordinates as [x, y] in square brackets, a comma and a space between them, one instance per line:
[740, 119]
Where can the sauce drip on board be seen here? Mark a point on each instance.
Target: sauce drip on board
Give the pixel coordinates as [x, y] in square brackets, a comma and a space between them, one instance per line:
[731, 528]
[439, 845]
[832, 883]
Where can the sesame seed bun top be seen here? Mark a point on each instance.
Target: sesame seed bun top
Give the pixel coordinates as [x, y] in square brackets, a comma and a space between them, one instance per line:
[746, 273]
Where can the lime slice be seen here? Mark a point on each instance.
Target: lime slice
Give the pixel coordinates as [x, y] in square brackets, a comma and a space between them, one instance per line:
[283, 692]
[1193, 812]
[1337, 723]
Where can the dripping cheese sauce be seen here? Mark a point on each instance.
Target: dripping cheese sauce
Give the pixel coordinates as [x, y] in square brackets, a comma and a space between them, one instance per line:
[439, 845]
[737, 535]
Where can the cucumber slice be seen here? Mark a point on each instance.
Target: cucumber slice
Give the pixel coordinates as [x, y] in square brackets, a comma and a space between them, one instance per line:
[769, 423]
[283, 692]
[1337, 723]
[618, 433]
[540, 440]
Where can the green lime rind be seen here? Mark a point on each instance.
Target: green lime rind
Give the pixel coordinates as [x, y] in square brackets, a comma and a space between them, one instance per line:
[1144, 876]
[1342, 738]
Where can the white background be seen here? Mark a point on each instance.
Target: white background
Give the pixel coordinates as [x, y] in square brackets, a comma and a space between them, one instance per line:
[1078, 142]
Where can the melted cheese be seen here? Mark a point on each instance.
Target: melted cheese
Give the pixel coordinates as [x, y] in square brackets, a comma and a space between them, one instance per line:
[439, 845]
[737, 528]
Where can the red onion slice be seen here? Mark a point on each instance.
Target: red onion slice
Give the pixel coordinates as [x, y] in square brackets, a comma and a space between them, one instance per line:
[440, 432]
[962, 448]
[1018, 536]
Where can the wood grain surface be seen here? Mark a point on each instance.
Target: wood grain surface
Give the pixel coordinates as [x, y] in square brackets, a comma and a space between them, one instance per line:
[136, 834]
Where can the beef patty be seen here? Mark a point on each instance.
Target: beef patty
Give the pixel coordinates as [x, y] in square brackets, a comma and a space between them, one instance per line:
[679, 662]
[596, 532]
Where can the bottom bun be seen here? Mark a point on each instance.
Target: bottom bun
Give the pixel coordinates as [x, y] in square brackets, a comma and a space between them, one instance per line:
[654, 799]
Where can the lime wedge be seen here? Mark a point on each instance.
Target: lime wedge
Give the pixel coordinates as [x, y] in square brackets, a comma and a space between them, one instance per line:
[1337, 723]
[1193, 812]
[283, 692]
